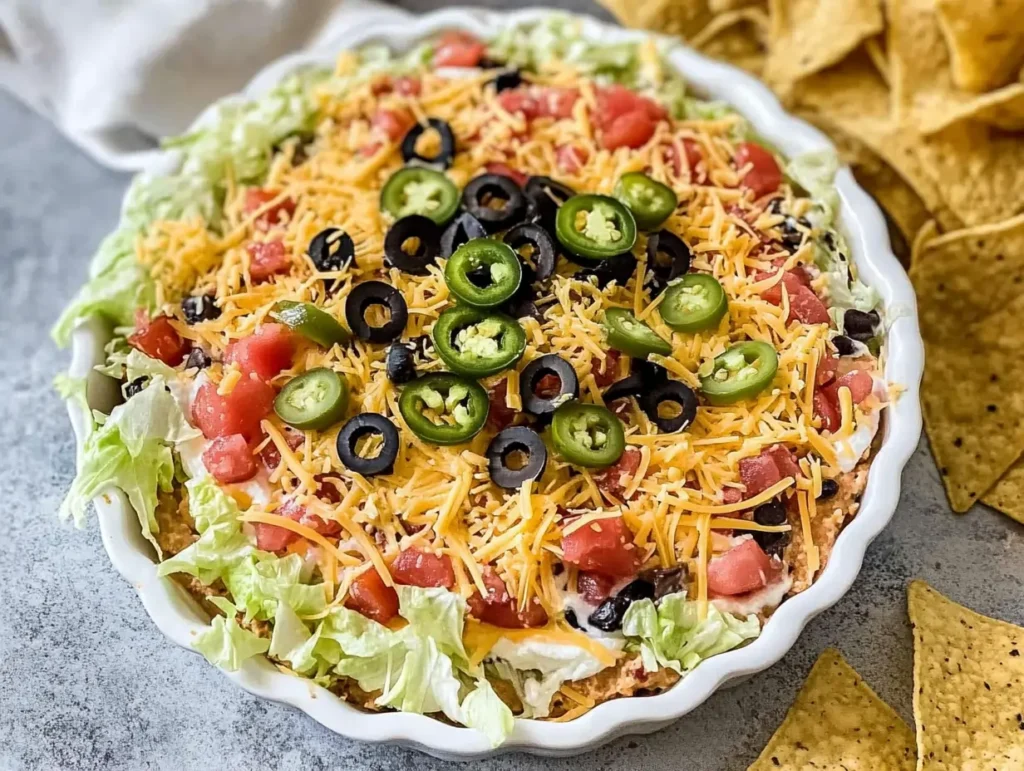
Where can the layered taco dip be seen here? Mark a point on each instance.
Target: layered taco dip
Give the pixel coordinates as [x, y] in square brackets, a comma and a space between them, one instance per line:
[497, 379]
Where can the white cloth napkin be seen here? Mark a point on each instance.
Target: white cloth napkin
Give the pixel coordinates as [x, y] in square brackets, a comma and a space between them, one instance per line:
[115, 75]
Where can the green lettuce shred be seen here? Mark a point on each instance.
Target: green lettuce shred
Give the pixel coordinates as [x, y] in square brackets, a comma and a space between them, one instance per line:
[226, 644]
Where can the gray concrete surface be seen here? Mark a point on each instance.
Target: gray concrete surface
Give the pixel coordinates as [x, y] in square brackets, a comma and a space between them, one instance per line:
[87, 681]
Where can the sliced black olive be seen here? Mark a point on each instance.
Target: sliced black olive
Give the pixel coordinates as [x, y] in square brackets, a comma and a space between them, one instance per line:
[200, 307]
[618, 268]
[198, 359]
[651, 373]
[670, 391]
[423, 347]
[507, 445]
[444, 157]
[463, 228]
[643, 377]
[134, 387]
[545, 196]
[331, 249]
[542, 248]
[549, 364]
[793, 236]
[487, 63]
[570, 618]
[664, 580]
[363, 425]
[860, 325]
[771, 513]
[640, 589]
[508, 79]
[375, 293]
[845, 346]
[829, 489]
[421, 232]
[608, 616]
[633, 385]
[521, 308]
[495, 200]
[400, 365]
[668, 257]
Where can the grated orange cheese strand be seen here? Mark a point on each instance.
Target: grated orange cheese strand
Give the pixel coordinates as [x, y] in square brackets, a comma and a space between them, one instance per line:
[749, 503]
[703, 557]
[306, 532]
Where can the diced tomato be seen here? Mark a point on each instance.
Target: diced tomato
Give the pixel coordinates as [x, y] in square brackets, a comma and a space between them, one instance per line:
[519, 100]
[784, 459]
[548, 386]
[507, 171]
[602, 546]
[371, 149]
[278, 214]
[458, 49]
[370, 596]
[859, 382]
[266, 259]
[272, 537]
[419, 568]
[264, 353]
[631, 130]
[271, 455]
[606, 372]
[807, 308]
[158, 339]
[326, 490]
[764, 176]
[407, 86]
[500, 415]
[392, 123]
[229, 459]
[694, 157]
[827, 410]
[501, 609]
[555, 102]
[615, 101]
[381, 85]
[731, 495]
[238, 412]
[594, 588]
[614, 479]
[826, 371]
[774, 464]
[773, 294]
[570, 158]
[743, 568]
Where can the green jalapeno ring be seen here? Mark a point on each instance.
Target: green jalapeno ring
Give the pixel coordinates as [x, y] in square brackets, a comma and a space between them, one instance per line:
[465, 400]
[650, 201]
[595, 226]
[311, 322]
[488, 261]
[316, 399]
[694, 303]
[477, 343]
[628, 334]
[742, 371]
[419, 190]
[587, 435]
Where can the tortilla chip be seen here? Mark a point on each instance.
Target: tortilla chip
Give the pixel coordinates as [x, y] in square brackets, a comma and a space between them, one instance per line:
[875, 49]
[1008, 494]
[721, 6]
[674, 17]
[985, 40]
[970, 289]
[737, 37]
[968, 685]
[924, 94]
[811, 35]
[837, 723]
[899, 200]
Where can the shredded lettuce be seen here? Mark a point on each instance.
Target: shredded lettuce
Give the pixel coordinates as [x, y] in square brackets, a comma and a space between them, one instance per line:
[225, 644]
[815, 172]
[77, 390]
[671, 634]
[259, 582]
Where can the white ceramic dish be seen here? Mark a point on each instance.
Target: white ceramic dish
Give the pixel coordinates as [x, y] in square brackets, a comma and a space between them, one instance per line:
[179, 618]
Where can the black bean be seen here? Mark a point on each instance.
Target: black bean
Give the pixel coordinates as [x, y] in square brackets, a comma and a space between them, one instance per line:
[640, 589]
[570, 619]
[198, 359]
[771, 513]
[200, 307]
[829, 489]
[665, 580]
[608, 616]
[134, 387]
[845, 346]
[860, 325]
[508, 79]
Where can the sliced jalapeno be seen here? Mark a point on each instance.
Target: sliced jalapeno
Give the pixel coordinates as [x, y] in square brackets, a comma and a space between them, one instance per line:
[311, 322]
[444, 408]
[483, 273]
[628, 334]
[595, 226]
[650, 201]
[587, 435]
[416, 190]
[476, 343]
[315, 399]
[740, 372]
[695, 302]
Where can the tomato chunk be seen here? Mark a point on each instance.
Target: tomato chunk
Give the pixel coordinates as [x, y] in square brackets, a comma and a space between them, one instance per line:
[826, 371]
[731, 495]
[392, 123]
[743, 568]
[555, 102]
[807, 308]
[370, 596]
[827, 411]
[603, 546]
[594, 587]
[570, 159]
[500, 415]
[616, 478]
[420, 568]
[458, 49]
[274, 538]
[158, 339]
[614, 101]
[519, 100]
[272, 456]
[266, 259]
[773, 294]
[632, 130]
[264, 353]
[606, 372]
[774, 464]
[238, 412]
[860, 383]
[764, 176]
[278, 214]
[505, 170]
[501, 609]
[229, 459]
[407, 86]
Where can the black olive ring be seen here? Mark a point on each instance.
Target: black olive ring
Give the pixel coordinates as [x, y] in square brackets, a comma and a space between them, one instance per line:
[461, 230]
[444, 157]
[375, 293]
[426, 231]
[330, 249]
[498, 186]
[521, 439]
[400, 364]
[618, 268]
[363, 425]
[670, 391]
[507, 79]
[549, 364]
[543, 257]
[670, 245]
[545, 196]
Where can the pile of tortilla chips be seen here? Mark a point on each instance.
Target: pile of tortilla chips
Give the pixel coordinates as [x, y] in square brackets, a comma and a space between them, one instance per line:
[968, 698]
[925, 101]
